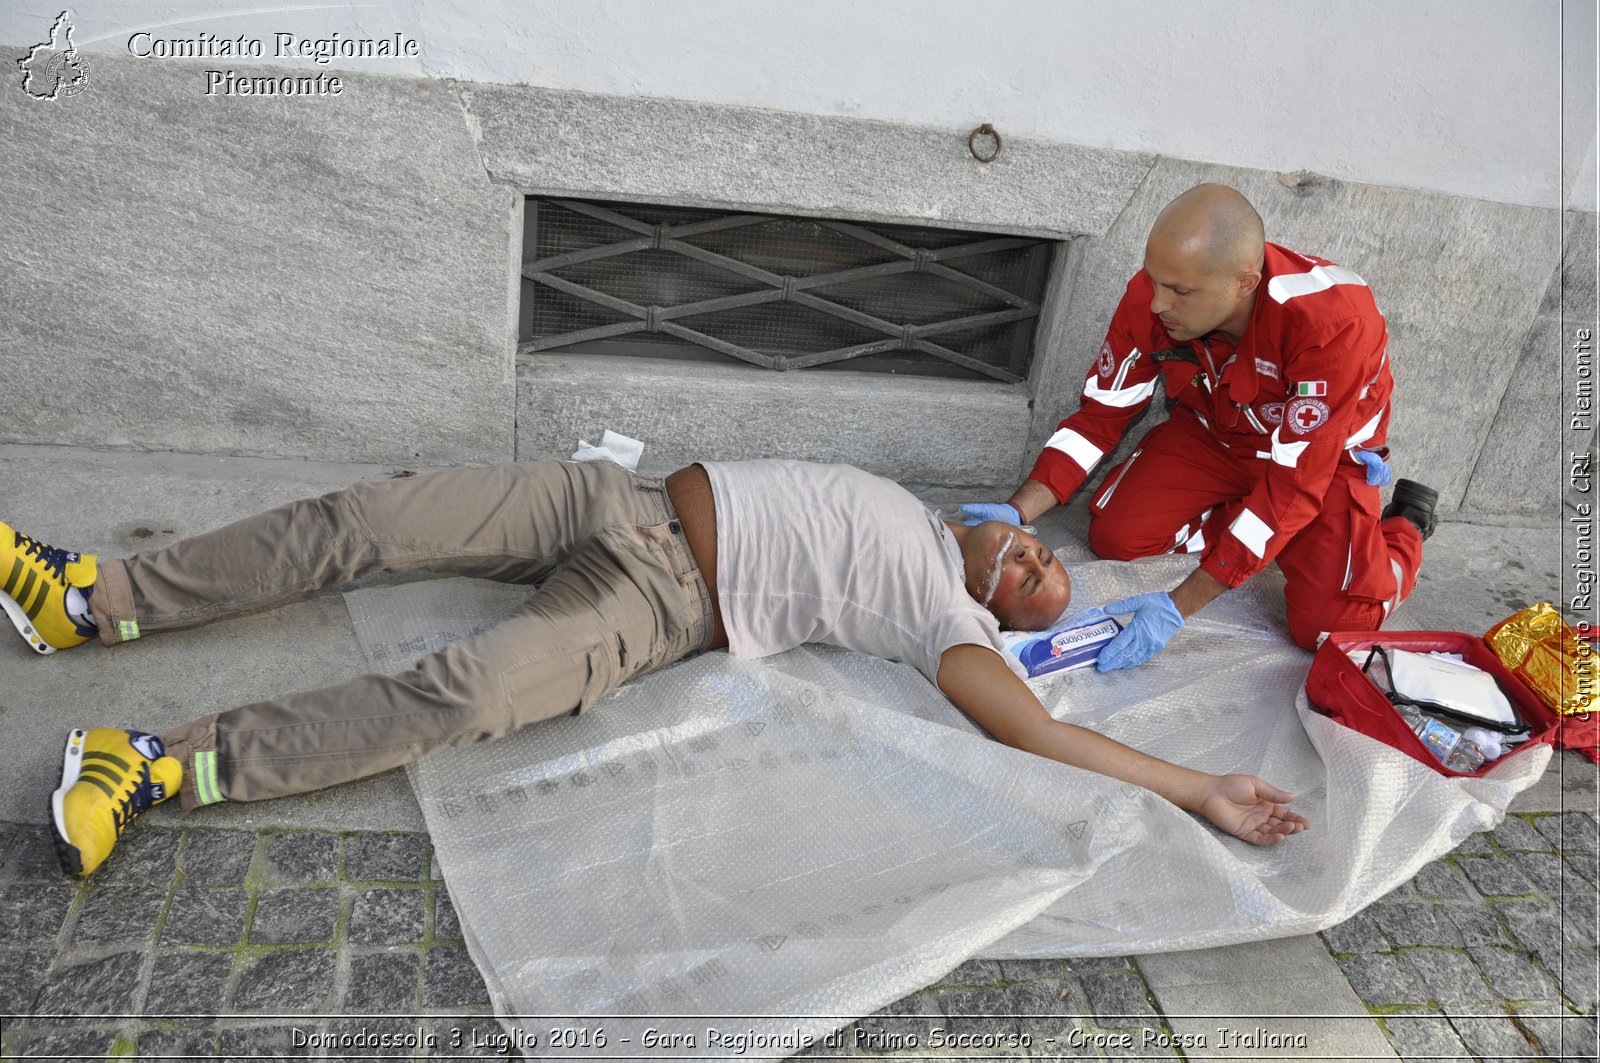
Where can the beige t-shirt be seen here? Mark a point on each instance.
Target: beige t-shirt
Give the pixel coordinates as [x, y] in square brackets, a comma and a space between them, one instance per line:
[828, 553]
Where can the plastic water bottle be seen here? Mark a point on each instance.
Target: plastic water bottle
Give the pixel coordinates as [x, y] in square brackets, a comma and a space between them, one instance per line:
[1444, 742]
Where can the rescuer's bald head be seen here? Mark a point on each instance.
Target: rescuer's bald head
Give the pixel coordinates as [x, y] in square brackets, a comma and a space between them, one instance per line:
[1213, 227]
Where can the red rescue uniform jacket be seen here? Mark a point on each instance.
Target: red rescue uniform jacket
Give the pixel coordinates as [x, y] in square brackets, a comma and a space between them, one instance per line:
[1308, 383]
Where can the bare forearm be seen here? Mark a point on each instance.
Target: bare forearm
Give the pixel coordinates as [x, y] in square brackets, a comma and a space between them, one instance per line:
[1033, 500]
[1195, 591]
[1094, 752]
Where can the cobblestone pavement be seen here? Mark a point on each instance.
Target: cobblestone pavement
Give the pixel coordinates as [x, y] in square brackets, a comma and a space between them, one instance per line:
[206, 943]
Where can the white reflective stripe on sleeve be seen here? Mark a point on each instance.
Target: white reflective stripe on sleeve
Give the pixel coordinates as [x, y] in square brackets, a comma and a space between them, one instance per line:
[1287, 453]
[1252, 531]
[1366, 431]
[1079, 449]
[1399, 587]
[1119, 397]
[1195, 544]
[1320, 278]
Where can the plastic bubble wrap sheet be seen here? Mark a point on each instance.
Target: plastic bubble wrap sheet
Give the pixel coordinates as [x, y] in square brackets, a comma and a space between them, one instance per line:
[819, 833]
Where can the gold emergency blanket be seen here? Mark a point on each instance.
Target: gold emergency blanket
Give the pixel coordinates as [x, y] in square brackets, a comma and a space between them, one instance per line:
[1546, 654]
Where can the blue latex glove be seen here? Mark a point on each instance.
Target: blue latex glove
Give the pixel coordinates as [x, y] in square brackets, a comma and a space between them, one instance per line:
[978, 512]
[1378, 474]
[1155, 620]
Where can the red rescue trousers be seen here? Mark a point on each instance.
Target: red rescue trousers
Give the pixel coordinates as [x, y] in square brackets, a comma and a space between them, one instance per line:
[1181, 488]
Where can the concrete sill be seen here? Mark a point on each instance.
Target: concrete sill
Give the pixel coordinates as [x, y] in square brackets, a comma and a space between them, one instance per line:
[913, 429]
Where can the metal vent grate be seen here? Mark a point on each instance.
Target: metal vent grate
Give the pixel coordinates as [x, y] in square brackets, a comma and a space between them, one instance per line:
[778, 292]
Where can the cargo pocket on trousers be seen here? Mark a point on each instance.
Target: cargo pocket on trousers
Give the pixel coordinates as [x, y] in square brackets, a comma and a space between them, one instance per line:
[1368, 575]
[605, 674]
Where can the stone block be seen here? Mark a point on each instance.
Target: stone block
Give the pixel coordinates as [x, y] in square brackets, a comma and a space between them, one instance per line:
[978, 1011]
[1460, 281]
[143, 857]
[1577, 971]
[1416, 923]
[546, 141]
[188, 983]
[90, 984]
[1488, 1035]
[1512, 974]
[383, 857]
[1448, 976]
[1560, 1035]
[1032, 970]
[178, 1044]
[287, 981]
[301, 857]
[1119, 1000]
[33, 916]
[1383, 980]
[254, 275]
[1424, 1035]
[1536, 925]
[386, 917]
[1574, 831]
[112, 914]
[1476, 924]
[1497, 876]
[446, 924]
[1444, 882]
[1279, 959]
[451, 980]
[293, 916]
[71, 1042]
[273, 1041]
[205, 917]
[1516, 834]
[20, 973]
[383, 982]
[216, 857]
[1359, 933]
[918, 430]
[1552, 875]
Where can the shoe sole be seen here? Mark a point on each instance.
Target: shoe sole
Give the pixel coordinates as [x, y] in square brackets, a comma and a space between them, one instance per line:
[24, 626]
[71, 767]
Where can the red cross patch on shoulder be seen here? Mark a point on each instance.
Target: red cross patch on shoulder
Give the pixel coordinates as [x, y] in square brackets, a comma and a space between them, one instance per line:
[1305, 415]
[1107, 363]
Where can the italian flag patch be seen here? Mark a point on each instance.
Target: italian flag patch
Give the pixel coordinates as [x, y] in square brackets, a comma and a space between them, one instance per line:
[1313, 389]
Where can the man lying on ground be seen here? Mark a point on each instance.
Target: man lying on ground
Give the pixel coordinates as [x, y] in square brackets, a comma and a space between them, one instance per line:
[634, 573]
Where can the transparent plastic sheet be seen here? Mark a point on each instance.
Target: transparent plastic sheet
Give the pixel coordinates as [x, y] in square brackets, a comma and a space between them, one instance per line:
[812, 836]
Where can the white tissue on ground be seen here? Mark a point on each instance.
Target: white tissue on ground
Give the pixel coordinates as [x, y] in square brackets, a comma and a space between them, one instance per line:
[614, 446]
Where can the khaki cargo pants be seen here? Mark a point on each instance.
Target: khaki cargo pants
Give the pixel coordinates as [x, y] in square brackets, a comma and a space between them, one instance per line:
[619, 595]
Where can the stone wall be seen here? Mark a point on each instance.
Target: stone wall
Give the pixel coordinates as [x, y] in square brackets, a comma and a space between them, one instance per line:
[336, 278]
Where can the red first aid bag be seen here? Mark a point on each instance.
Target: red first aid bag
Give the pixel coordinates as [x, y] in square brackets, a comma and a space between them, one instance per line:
[1340, 690]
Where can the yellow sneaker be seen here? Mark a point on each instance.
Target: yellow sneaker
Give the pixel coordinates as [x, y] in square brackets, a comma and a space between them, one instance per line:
[108, 777]
[42, 588]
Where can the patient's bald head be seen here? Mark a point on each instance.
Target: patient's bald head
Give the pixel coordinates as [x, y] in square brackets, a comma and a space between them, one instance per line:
[1204, 256]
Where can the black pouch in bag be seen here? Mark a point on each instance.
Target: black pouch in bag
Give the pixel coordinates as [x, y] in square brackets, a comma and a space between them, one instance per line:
[1458, 693]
